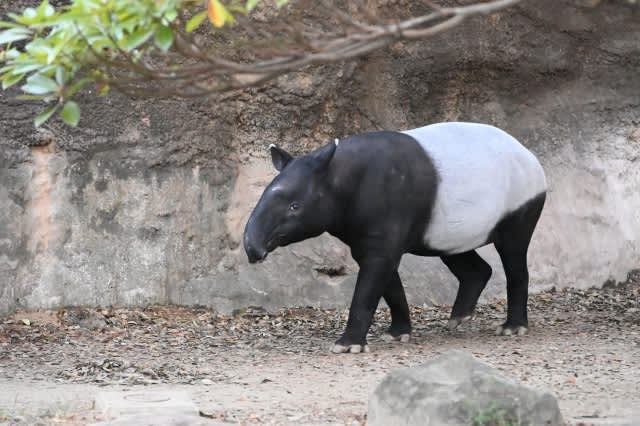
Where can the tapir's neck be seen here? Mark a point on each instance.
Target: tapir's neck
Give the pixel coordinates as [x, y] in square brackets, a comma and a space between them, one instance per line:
[343, 181]
[378, 179]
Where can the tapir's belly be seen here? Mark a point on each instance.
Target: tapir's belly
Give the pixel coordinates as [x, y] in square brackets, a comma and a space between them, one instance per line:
[484, 174]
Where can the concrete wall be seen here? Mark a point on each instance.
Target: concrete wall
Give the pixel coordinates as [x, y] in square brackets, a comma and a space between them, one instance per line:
[146, 201]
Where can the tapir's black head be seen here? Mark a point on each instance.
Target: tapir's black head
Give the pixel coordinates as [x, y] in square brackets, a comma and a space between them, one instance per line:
[298, 204]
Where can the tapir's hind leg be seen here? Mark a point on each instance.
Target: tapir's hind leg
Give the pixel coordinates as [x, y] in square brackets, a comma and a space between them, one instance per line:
[511, 239]
[514, 261]
[400, 328]
[473, 273]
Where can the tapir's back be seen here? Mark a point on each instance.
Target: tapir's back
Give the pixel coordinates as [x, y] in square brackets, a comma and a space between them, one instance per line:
[484, 174]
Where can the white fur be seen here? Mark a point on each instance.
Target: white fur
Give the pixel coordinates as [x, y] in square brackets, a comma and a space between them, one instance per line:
[484, 174]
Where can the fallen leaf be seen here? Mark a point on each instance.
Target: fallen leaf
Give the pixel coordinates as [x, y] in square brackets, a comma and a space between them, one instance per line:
[216, 12]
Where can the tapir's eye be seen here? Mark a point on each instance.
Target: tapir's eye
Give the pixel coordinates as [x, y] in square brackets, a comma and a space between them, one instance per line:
[294, 206]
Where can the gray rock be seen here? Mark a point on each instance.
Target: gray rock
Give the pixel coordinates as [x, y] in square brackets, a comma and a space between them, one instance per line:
[162, 420]
[456, 389]
[609, 421]
[130, 403]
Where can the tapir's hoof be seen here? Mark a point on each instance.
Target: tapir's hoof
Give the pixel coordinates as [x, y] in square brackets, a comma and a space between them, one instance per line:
[455, 322]
[402, 338]
[508, 330]
[354, 349]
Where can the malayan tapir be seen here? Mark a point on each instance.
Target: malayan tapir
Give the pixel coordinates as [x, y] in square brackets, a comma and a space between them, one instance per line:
[440, 190]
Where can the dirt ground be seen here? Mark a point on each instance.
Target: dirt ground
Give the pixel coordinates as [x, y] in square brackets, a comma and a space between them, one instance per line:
[259, 368]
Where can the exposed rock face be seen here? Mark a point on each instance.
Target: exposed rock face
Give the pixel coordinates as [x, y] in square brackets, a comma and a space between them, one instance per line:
[146, 201]
[454, 389]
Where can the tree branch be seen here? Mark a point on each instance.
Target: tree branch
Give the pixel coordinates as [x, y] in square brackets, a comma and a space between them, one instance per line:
[204, 70]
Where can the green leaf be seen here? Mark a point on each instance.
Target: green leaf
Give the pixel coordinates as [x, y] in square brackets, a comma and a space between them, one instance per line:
[26, 67]
[53, 53]
[44, 115]
[45, 9]
[12, 54]
[10, 80]
[164, 37]
[77, 86]
[14, 34]
[137, 38]
[61, 75]
[71, 113]
[29, 13]
[281, 3]
[38, 84]
[34, 90]
[6, 24]
[171, 15]
[251, 4]
[26, 322]
[195, 21]
[13, 16]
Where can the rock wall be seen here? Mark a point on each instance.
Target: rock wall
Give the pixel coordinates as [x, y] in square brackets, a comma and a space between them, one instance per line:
[146, 201]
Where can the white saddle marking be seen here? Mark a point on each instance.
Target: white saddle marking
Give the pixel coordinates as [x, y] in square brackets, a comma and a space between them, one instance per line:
[484, 173]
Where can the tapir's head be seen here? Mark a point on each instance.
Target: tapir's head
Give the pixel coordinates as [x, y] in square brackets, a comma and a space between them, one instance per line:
[298, 203]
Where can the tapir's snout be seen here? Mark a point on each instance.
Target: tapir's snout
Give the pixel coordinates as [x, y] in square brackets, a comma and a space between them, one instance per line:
[256, 252]
[255, 255]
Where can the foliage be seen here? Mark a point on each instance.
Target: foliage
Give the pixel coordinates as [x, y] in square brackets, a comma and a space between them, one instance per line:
[494, 415]
[56, 52]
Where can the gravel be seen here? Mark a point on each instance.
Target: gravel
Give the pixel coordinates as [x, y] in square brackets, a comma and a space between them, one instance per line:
[256, 367]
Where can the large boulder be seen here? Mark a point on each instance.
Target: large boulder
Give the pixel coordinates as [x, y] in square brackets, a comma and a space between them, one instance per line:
[456, 389]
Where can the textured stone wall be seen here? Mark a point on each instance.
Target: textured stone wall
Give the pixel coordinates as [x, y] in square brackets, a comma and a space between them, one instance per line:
[146, 201]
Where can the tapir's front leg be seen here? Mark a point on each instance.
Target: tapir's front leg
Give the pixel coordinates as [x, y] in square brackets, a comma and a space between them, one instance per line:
[374, 275]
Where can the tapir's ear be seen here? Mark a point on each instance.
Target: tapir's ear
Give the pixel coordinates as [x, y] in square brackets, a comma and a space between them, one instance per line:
[324, 155]
[279, 157]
